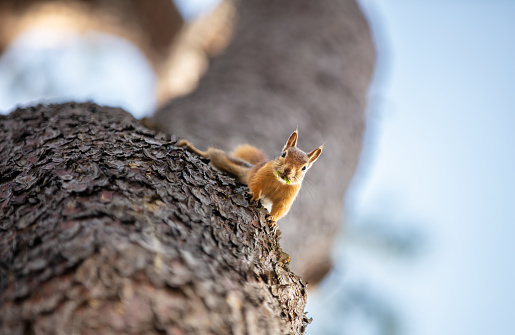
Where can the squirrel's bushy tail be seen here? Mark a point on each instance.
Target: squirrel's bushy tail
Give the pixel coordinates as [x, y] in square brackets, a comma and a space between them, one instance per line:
[249, 154]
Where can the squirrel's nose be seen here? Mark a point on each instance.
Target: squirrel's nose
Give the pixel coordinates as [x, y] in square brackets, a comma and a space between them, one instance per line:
[287, 171]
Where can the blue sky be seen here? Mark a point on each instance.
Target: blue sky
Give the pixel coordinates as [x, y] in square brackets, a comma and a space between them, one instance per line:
[440, 144]
[52, 65]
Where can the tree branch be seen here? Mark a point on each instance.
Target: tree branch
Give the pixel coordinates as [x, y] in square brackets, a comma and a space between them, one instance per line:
[104, 229]
[291, 63]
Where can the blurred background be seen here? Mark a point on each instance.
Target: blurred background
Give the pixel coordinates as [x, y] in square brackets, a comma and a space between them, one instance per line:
[427, 245]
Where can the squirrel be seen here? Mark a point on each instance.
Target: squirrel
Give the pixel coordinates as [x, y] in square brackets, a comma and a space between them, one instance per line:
[275, 182]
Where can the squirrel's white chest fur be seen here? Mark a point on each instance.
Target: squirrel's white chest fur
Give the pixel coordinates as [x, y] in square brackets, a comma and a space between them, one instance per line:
[267, 203]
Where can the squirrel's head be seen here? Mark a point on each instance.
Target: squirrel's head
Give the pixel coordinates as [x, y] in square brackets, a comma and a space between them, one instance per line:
[293, 163]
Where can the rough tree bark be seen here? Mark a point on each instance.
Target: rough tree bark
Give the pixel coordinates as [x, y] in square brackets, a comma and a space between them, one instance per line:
[105, 230]
[291, 63]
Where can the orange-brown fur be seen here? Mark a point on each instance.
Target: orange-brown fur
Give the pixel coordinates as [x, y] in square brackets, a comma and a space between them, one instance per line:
[249, 153]
[277, 181]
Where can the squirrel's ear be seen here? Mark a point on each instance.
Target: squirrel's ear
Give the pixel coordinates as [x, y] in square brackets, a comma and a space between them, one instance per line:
[313, 155]
[292, 141]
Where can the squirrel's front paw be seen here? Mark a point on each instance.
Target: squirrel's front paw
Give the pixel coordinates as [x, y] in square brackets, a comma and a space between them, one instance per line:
[272, 223]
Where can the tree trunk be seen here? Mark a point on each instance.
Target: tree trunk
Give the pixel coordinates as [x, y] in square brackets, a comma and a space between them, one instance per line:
[291, 63]
[105, 230]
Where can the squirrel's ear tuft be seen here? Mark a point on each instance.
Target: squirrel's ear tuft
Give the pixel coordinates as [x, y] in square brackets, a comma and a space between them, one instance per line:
[292, 141]
[313, 155]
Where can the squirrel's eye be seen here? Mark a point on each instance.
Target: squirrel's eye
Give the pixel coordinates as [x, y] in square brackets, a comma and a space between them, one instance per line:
[283, 155]
[304, 168]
